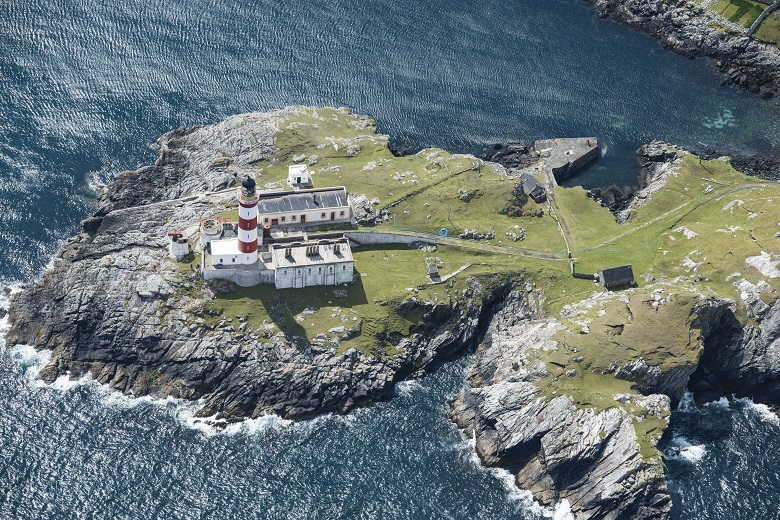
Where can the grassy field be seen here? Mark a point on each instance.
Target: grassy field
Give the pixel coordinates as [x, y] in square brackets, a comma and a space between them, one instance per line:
[682, 225]
[745, 12]
[385, 276]
[770, 29]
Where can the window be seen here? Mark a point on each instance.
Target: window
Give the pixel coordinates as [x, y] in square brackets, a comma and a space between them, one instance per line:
[331, 269]
[344, 268]
[309, 270]
[320, 270]
[341, 214]
[284, 219]
[234, 260]
[266, 220]
[284, 272]
[293, 218]
[220, 260]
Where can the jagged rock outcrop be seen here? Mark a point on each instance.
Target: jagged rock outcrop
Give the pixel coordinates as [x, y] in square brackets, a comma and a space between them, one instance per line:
[555, 449]
[757, 166]
[741, 360]
[690, 30]
[115, 307]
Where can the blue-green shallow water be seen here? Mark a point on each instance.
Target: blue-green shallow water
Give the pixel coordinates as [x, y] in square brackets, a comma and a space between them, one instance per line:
[87, 86]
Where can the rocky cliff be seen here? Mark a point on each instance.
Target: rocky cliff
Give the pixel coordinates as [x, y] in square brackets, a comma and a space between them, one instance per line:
[689, 29]
[574, 405]
[571, 427]
[555, 448]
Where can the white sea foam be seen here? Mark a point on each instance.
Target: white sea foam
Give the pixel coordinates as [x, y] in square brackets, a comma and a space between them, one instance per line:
[31, 360]
[722, 403]
[687, 403]
[64, 383]
[765, 413]
[260, 424]
[683, 449]
[760, 409]
[5, 299]
[409, 387]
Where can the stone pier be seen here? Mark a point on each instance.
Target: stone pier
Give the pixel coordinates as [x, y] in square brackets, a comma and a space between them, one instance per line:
[566, 157]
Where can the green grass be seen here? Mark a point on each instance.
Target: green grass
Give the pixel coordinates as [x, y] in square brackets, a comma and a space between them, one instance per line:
[770, 30]
[385, 276]
[621, 331]
[649, 430]
[743, 12]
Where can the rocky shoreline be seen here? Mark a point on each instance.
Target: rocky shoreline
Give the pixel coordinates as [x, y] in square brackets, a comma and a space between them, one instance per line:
[554, 448]
[689, 30]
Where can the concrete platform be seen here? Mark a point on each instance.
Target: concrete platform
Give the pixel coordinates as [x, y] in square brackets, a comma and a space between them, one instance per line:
[566, 157]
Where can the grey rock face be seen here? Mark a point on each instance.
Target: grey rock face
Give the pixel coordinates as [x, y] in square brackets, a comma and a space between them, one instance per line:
[556, 450]
[688, 29]
[741, 361]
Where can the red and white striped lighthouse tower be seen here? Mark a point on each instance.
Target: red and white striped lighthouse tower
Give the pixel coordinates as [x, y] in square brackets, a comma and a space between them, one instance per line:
[247, 222]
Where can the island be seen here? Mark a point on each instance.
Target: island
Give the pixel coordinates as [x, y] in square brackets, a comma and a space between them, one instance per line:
[589, 325]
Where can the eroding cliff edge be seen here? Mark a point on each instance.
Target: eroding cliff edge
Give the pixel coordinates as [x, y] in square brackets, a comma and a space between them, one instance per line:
[691, 30]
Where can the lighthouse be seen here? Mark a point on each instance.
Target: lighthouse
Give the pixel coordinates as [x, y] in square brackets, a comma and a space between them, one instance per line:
[247, 221]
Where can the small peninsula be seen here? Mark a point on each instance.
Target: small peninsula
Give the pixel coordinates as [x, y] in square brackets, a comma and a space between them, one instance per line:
[577, 366]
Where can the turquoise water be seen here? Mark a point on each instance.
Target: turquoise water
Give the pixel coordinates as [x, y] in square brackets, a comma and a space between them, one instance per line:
[88, 86]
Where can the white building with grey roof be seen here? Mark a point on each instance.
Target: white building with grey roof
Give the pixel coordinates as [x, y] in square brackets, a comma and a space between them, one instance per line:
[301, 207]
[304, 264]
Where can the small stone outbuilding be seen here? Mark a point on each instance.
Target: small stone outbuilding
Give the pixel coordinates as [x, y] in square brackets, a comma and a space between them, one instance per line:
[533, 188]
[616, 277]
[298, 176]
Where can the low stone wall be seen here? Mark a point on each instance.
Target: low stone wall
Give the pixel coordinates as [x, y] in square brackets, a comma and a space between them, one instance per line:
[239, 277]
[371, 238]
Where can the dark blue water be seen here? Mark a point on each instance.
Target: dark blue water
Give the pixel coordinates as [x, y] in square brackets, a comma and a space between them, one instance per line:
[87, 86]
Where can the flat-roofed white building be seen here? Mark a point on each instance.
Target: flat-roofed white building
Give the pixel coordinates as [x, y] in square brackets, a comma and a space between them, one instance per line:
[301, 207]
[304, 264]
[225, 253]
[298, 176]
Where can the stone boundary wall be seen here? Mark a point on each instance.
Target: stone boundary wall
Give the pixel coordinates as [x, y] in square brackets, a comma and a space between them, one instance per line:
[240, 278]
[370, 238]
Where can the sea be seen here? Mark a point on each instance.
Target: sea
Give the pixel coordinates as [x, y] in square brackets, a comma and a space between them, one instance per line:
[86, 88]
